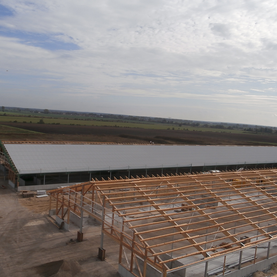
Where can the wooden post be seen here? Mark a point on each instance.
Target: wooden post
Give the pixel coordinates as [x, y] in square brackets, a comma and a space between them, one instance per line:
[121, 240]
[144, 267]
[50, 203]
[102, 251]
[132, 252]
[68, 211]
[112, 221]
[57, 202]
[80, 234]
[255, 256]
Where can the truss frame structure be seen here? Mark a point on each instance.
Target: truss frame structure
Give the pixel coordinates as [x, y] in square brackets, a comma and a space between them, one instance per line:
[171, 223]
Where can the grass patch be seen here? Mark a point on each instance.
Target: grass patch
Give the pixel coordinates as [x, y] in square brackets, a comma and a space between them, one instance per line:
[7, 130]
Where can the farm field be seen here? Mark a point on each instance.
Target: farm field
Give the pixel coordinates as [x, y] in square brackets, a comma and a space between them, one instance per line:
[27, 125]
[111, 134]
[8, 130]
[57, 119]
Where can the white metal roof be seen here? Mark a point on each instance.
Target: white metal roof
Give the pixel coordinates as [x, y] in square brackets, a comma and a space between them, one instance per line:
[51, 158]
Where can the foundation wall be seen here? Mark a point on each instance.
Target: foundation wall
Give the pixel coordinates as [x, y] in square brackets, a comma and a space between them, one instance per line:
[150, 270]
[179, 273]
[124, 272]
[11, 184]
[259, 266]
[60, 221]
[75, 219]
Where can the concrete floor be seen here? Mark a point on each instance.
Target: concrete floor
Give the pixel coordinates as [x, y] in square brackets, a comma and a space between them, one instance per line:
[29, 240]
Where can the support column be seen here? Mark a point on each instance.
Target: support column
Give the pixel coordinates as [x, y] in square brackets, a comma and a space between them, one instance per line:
[268, 250]
[80, 234]
[102, 251]
[206, 269]
[240, 258]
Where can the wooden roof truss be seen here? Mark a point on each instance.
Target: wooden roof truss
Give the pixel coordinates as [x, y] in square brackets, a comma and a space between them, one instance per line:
[184, 218]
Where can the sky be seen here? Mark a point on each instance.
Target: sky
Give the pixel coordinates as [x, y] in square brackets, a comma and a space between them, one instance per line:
[208, 60]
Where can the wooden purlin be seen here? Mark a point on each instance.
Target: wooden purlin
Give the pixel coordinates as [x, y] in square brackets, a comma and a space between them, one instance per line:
[255, 204]
[197, 245]
[146, 245]
[236, 211]
[128, 198]
[273, 215]
[175, 225]
[214, 221]
[204, 222]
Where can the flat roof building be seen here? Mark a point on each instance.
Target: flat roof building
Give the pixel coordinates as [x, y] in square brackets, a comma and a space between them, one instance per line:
[36, 164]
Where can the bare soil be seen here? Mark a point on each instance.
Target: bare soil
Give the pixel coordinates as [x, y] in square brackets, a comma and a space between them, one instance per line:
[135, 135]
[31, 245]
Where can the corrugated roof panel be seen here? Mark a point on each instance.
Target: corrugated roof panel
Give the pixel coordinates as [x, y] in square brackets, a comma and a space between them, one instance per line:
[49, 158]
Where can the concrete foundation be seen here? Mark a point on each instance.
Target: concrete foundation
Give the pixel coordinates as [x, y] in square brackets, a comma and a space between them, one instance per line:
[21, 182]
[124, 272]
[75, 219]
[179, 273]
[12, 184]
[150, 270]
[63, 225]
[259, 266]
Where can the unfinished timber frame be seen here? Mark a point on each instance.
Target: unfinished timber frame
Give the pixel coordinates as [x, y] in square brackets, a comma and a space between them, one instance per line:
[184, 225]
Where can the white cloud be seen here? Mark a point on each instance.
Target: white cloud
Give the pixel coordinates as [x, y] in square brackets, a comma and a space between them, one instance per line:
[212, 52]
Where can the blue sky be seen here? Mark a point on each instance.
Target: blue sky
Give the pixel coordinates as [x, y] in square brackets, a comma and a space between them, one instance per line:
[213, 60]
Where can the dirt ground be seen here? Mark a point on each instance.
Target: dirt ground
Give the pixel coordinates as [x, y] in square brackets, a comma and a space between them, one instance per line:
[31, 245]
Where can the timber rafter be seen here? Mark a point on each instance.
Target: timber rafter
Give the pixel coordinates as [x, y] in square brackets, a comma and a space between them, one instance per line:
[180, 218]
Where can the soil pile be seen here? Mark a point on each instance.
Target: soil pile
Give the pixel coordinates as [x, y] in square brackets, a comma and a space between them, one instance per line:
[61, 268]
[34, 204]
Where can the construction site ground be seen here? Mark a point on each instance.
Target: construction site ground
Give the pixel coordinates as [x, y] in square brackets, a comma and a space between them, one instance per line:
[31, 244]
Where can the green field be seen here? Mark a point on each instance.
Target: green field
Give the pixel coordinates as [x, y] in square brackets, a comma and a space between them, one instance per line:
[84, 121]
[7, 130]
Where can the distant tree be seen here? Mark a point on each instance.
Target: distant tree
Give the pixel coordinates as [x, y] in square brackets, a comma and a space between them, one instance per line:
[46, 111]
[41, 121]
[3, 108]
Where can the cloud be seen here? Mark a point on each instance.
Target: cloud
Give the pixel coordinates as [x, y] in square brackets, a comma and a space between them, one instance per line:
[221, 29]
[205, 52]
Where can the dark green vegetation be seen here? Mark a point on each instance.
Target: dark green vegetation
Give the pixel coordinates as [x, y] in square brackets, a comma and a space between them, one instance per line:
[44, 125]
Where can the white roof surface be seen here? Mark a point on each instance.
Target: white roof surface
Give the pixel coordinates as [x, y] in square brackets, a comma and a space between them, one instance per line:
[51, 158]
